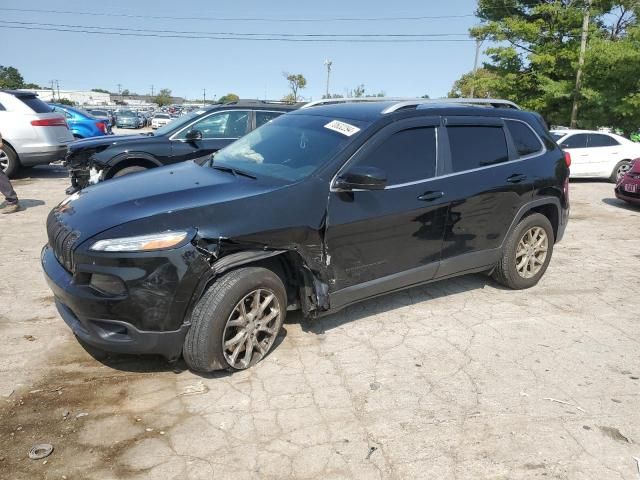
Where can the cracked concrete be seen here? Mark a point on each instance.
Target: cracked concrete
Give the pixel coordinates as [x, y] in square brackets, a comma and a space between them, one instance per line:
[454, 380]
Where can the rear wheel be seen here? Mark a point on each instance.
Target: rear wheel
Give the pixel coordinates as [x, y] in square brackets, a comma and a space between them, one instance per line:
[620, 170]
[9, 162]
[526, 254]
[236, 322]
[128, 170]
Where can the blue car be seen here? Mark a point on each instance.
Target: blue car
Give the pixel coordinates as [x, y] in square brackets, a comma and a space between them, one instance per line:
[82, 124]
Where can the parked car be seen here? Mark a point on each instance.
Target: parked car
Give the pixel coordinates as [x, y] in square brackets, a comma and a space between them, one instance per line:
[597, 154]
[314, 211]
[82, 124]
[103, 115]
[128, 119]
[32, 133]
[628, 187]
[160, 120]
[192, 136]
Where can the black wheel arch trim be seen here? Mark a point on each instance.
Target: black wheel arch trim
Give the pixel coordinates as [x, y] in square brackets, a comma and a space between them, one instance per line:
[528, 207]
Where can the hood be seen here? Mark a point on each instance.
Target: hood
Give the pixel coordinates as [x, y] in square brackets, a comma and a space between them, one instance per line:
[104, 142]
[168, 194]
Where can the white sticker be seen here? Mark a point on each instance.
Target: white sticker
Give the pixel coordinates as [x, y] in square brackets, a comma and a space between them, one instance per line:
[342, 127]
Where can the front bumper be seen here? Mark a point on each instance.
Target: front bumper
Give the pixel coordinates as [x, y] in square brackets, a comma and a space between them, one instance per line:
[121, 324]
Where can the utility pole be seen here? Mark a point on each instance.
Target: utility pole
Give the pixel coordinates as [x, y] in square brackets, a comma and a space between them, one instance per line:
[475, 67]
[583, 51]
[119, 89]
[152, 90]
[58, 87]
[204, 96]
[53, 91]
[328, 64]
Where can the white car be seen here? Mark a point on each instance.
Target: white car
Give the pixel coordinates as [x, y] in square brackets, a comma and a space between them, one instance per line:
[160, 120]
[33, 134]
[597, 154]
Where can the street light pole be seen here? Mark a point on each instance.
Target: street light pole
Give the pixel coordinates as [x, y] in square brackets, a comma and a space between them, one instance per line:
[475, 67]
[204, 97]
[583, 51]
[328, 63]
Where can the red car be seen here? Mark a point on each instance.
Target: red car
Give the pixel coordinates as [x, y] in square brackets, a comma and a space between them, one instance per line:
[628, 187]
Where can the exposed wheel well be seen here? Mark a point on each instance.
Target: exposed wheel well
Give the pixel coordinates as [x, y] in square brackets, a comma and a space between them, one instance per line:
[551, 212]
[130, 162]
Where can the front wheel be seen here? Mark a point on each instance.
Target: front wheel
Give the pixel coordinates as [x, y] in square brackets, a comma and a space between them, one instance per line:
[620, 170]
[129, 170]
[526, 254]
[236, 322]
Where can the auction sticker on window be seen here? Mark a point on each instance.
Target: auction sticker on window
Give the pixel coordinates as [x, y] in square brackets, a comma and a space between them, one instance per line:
[342, 127]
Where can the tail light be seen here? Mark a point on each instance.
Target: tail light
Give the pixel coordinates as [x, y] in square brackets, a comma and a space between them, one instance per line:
[567, 158]
[101, 126]
[50, 122]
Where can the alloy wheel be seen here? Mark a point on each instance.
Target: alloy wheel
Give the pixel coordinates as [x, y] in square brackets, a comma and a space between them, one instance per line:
[622, 170]
[251, 328]
[4, 160]
[531, 252]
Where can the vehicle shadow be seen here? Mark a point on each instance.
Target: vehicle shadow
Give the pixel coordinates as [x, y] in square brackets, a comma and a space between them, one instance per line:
[41, 171]
[404, 298]
[615, 202]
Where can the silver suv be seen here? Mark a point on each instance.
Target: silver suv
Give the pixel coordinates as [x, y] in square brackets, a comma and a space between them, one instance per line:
[32, 133]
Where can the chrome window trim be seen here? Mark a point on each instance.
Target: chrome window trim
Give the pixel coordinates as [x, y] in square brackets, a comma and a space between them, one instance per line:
[172, 137]
[541, 152]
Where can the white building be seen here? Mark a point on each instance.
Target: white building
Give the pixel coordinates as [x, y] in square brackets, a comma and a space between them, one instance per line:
[80, 97]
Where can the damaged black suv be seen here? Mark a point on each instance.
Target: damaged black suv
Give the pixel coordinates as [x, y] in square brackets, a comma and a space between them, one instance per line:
[316, 210]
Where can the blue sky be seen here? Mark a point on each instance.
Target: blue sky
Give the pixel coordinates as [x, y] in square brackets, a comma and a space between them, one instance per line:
[252, 69]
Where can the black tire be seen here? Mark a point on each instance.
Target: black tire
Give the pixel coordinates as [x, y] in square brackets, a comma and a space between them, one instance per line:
[128, 170]
[506, 272]
[12, 163]
[203, 347]
[614, 175]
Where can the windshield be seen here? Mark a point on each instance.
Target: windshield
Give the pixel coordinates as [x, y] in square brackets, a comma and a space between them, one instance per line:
[176, 124]
[557, 135]
[290, 147]
[126, 113]
[161, 115]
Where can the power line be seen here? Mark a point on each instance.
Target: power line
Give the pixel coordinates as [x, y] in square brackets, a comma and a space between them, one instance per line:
[241, 19]
[255, 39]
[237, 34]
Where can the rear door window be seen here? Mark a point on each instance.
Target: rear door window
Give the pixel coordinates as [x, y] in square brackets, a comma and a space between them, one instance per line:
[578, 140]
[230, 124]
[476, 146]
[525, 141]
[35, 104]
[406, 156]
[599, 140]
[263, 117]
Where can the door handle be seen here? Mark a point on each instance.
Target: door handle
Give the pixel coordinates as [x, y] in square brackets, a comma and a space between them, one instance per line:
[517, 178]
[430, 196]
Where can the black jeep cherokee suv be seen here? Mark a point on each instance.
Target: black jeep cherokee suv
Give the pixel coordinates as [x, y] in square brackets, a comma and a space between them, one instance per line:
[316, 210]
[197, 134]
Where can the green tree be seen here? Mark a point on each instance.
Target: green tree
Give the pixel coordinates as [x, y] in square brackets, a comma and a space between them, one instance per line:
[100, 90]
[296, 83]
[10, 78]
[228, 98]
[534, 56]
[65, 101]
[357, 92]
[125, 92]
[163, 98]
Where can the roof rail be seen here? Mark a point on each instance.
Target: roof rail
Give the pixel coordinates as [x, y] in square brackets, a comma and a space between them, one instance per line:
[485, 102]
[332, 101]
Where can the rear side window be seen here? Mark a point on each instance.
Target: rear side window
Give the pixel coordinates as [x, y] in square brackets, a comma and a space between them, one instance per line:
[2, 109]
[35, 104]
[476, 146]
[406, 156]
[525, 141]
[264, 117]
[575, 141]
[597, 140]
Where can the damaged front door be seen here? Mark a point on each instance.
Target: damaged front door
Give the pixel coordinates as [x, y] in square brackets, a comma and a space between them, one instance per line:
[381, 239]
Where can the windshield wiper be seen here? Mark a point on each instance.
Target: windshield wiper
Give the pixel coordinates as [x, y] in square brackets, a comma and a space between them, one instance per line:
[233, 171]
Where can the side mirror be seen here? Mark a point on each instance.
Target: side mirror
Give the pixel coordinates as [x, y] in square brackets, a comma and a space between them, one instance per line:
[193, 135]
[361, 178]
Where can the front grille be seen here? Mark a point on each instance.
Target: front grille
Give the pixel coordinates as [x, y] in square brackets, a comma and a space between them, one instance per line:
[61, 240]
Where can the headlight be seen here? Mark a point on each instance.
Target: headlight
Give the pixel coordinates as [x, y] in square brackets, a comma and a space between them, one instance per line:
[142, 243]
